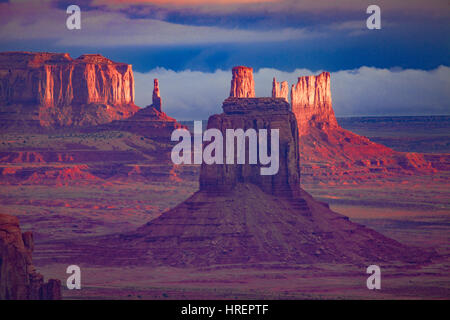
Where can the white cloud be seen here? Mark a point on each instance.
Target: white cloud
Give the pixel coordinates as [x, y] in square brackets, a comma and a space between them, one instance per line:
[364, 91]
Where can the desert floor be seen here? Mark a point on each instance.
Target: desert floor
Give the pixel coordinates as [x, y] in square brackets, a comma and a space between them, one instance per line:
[412, 210]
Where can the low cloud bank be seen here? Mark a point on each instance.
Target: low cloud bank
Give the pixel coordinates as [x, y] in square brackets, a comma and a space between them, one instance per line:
[194, 95]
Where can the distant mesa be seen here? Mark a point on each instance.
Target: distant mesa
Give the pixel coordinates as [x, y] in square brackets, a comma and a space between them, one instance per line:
[92, 97]
[19, 279]
[241, 217]
[53, 90]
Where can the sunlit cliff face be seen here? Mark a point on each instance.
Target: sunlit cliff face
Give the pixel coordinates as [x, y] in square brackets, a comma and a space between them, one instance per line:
[57, 86]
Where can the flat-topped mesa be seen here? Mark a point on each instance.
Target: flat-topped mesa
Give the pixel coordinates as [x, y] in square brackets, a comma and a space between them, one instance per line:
[257, 114]
[311, 103]
[280, 90]
[156, 100]
[242, 84]
[52, 89]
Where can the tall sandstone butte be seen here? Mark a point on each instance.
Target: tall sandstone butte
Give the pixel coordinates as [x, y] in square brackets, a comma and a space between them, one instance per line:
[255, 113]
[52, 89]
[311, 103]
[18, 277]
[240, 217]
[242, 83]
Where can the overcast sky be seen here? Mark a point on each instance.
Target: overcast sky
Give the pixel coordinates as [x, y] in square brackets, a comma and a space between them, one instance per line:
[192, 44]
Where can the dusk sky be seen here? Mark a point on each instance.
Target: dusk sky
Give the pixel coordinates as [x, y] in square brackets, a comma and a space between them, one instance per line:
[400, 69]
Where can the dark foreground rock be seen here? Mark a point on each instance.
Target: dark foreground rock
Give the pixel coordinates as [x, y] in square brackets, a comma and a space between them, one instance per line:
[18, 277]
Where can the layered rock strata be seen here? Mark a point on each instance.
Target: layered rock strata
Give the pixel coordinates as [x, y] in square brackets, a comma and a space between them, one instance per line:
[257, 114]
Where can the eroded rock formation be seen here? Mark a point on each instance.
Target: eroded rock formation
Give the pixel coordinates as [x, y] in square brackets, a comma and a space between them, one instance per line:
[156, 101]
[240, 217]
[331, 154]
[242, 84]
[52, 89]
[255, 113]
[18, 277]
[280, 90]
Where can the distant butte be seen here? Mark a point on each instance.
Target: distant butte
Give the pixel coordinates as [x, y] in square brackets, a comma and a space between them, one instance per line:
[331, 154]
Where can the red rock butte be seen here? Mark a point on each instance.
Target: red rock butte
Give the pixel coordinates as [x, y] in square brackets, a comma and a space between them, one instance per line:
[311, 103]
[242, 84]
[240, 217]
[331, 154]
